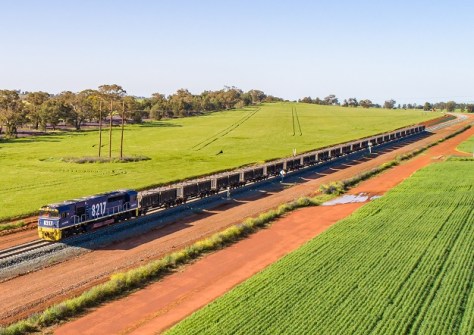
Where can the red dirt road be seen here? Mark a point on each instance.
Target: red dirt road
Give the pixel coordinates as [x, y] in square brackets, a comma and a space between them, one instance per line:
[165, 303]
[158, 306]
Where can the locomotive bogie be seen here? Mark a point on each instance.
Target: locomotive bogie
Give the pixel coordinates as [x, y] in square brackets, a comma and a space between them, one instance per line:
[49, 234]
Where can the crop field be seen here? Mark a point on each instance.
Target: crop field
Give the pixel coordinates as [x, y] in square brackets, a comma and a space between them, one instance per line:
[402, 264]
[32, 172]
[467, 146]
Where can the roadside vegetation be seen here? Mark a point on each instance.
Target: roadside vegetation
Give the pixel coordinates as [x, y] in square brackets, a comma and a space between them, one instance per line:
[467, 146]
[33, 171]
[401, 264]
[14, 225]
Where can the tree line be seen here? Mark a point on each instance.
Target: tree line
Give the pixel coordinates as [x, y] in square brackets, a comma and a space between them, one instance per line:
[449, 106]
[40, 109]
[332, 100]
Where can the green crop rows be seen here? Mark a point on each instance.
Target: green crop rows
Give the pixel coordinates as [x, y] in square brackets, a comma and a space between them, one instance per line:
[402, 264]
[467, 146]
[32, 172]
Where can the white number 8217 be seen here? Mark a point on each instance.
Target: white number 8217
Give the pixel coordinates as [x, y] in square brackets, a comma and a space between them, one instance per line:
[98, 209]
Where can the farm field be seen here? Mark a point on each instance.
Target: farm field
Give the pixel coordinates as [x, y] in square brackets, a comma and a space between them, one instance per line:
[32, 172]
[467, 146]
[401, 264]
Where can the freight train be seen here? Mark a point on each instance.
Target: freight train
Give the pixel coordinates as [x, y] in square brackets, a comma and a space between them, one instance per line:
[58, 221]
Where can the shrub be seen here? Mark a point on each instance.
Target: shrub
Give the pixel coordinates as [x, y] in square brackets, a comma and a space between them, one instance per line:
[84, 160]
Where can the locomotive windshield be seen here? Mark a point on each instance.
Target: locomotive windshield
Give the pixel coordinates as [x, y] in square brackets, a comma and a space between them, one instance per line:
[49, 212]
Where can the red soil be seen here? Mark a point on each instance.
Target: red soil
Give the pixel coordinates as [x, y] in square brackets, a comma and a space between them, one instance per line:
[18, 237]
[165, 303]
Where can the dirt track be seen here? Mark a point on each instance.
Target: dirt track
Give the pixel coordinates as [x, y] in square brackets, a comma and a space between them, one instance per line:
[19, 297]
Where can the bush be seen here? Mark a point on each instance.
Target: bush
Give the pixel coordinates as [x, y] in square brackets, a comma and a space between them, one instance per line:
[10, 226]
[335, 188]
[84, 160]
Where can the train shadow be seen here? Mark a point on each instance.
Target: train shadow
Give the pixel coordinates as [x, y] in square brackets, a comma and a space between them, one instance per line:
[159, 232]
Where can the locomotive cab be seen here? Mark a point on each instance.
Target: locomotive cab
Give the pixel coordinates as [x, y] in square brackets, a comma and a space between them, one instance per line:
[49, 222]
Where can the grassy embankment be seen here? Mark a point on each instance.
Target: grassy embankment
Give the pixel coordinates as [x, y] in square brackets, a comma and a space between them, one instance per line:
[33, 173]
[402, 264]
[467, 146]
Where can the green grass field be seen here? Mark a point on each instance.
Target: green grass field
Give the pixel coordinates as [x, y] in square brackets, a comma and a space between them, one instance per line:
[402, 264]
[32, 173]
[467, 146]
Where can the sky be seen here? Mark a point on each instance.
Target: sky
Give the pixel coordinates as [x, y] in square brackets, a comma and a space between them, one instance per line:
[409, 51]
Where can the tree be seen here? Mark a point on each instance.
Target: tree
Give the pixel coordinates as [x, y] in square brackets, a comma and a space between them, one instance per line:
[440, 105]
[257, 96]
[159, 106]
[450, 106]
[52, 111]
[331, 100]
[470, 108]
[111, 93]
[230, 96]
[133, 109]
[12, 113]
[427, 106]
[389, 104]
[81, 106]
[34, 100]
[366, 103]
[181, 102]
[246, 99]
[352, 102]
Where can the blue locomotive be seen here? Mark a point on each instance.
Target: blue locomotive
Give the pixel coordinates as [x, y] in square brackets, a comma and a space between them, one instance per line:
[70, 217]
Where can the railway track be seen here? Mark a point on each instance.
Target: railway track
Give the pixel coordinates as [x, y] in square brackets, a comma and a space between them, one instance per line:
[458, 119]
[22, 248]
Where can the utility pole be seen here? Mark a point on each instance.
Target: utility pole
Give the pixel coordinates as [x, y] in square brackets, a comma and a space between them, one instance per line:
[121, 136]
[110, 131]
[100, 126]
